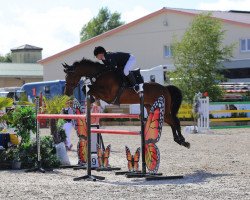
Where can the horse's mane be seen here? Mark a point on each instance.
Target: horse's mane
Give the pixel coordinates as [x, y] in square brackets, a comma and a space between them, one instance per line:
[88, 68]
[86, 61]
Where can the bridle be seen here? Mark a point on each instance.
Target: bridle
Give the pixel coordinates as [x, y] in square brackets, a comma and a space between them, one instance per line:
[94, 78]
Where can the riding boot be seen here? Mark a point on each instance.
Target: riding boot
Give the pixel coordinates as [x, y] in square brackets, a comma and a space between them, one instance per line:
[132, 81]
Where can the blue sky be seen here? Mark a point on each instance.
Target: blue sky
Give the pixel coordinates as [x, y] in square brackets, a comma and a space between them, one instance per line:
[55, 25]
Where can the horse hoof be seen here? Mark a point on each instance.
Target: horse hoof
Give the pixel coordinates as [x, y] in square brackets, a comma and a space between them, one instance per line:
[186, 144]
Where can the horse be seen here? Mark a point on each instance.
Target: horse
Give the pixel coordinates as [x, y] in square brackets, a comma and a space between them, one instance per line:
[106, 84]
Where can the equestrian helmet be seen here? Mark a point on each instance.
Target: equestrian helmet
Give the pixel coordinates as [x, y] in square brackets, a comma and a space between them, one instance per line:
[99, 50]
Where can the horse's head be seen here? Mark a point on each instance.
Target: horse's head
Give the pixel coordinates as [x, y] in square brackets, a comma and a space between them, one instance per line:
[83, 68]
[71, 79]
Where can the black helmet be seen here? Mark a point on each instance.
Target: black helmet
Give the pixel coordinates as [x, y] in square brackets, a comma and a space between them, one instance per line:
[99, 50]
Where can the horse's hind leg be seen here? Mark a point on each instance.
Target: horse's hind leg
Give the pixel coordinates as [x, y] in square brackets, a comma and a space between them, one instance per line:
[174, 123]
[178, 130]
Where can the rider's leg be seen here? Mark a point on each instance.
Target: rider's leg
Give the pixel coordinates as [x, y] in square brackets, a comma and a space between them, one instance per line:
[128, 67]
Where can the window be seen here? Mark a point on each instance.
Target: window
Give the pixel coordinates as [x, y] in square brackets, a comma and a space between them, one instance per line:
[167, 51]
[245, 45]
[47, 89]
[236, 73]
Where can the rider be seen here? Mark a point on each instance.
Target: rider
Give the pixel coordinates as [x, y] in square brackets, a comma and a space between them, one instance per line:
[120, 60]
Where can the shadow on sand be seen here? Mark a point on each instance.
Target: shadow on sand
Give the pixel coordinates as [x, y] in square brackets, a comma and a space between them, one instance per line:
[198, 177]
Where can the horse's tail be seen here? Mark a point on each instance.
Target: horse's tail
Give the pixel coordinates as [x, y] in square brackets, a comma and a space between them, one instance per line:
[176, 97]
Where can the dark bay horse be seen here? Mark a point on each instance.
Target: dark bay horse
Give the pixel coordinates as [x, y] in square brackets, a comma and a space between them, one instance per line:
[106, 85]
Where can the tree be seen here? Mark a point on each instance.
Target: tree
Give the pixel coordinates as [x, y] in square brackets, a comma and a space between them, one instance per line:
[104, 21]
[7, 58]
[198, 58]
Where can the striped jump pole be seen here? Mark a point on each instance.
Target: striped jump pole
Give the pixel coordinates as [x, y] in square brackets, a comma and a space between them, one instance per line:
[230, 119]
[100, 115]
[38, 166]
[89, 176]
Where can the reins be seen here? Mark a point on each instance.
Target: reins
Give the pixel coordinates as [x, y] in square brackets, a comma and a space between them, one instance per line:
[98, 75]
[95, 77]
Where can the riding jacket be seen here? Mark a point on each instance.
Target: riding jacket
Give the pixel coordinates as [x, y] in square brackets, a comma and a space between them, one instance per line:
[116, 59]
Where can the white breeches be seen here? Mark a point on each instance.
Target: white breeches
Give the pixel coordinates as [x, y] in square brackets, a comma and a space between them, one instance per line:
[68, 127]
[129, 65]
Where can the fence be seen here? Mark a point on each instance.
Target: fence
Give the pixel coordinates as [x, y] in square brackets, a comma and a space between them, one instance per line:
[222, 113]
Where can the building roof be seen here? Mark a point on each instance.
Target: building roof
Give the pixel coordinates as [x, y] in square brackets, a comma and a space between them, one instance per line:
[26, 47]
[21, 70]
[234, 17]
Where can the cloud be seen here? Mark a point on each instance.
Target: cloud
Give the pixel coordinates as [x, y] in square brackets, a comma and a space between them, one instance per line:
[225, 5]
[54, 30]
[136, 13]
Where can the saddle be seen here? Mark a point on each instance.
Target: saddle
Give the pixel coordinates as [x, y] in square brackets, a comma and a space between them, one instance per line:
[125, 83]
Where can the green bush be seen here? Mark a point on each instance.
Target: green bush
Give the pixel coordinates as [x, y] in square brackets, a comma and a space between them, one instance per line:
[28, 154]
[24, 121]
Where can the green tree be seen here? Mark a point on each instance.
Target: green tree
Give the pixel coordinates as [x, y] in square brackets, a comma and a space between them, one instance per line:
[7, 58]
[104, 21]
[198, 58]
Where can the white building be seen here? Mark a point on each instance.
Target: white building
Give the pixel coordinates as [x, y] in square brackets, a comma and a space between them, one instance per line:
[150, 37]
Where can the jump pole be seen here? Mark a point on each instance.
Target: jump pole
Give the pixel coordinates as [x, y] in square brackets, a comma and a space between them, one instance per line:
[38, 143]
[141, 95]
[143, 173]
[89, 176]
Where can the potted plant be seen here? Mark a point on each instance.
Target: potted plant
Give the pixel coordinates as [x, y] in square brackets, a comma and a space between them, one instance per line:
[23, 120]
[16, 162]
[5, 163]
[12, 155]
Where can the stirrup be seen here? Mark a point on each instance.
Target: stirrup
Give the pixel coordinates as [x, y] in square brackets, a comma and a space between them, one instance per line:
[136, 87]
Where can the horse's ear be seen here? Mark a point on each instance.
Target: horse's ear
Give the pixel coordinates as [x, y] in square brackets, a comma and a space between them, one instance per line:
[67, 68]
[64, 65]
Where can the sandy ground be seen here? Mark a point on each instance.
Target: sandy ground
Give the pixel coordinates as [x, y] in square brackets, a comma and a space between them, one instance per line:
[217, 166]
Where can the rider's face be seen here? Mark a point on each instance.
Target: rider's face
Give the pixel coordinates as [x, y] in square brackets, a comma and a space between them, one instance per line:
[100, 56]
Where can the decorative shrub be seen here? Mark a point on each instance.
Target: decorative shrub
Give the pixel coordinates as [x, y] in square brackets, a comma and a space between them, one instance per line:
[24, 121]
[28, 153]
